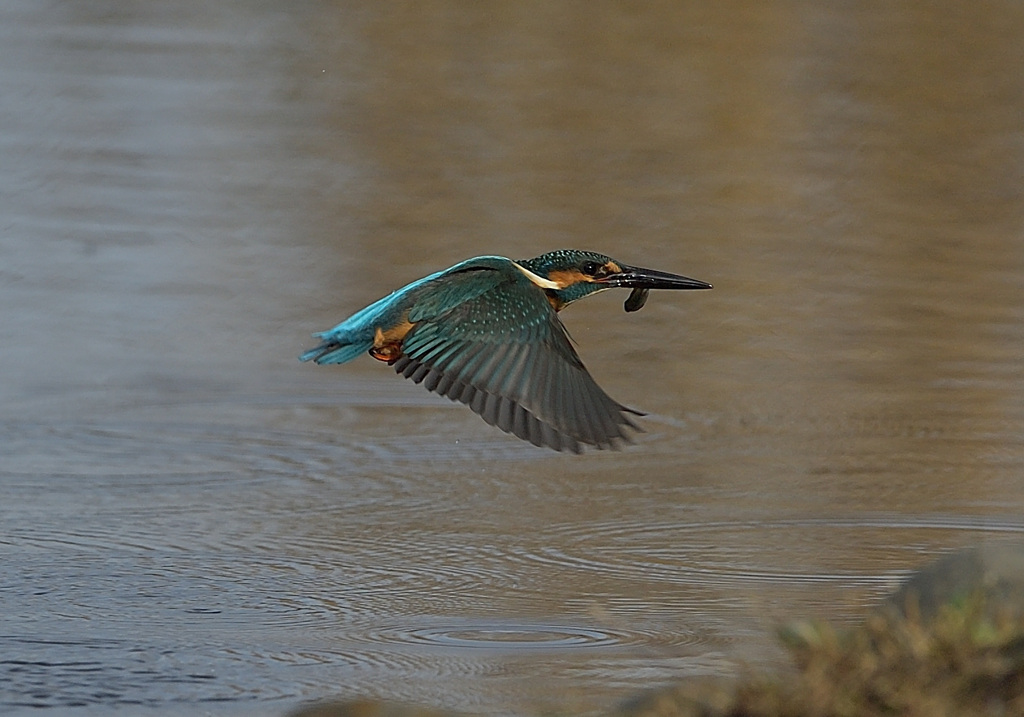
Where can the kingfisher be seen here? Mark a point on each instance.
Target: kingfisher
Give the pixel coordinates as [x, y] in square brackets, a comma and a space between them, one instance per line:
[486, 332]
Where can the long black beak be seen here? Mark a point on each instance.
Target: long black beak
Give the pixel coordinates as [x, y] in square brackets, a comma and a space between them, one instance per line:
[633, 277]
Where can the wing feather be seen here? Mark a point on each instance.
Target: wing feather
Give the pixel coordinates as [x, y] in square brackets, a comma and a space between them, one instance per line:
[504, 353]
[444, 384]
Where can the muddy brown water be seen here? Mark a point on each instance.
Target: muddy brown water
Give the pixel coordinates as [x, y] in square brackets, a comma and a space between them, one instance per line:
[191, 521]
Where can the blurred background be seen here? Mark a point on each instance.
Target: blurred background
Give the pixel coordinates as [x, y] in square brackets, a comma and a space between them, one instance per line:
[193, 522]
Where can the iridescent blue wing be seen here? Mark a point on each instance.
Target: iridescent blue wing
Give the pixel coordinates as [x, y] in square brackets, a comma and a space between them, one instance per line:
[505, 354]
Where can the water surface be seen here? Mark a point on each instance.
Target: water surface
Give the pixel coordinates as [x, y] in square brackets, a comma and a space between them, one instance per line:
[192, 521]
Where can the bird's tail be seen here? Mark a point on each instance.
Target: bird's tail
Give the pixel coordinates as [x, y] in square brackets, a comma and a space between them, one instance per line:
[336, 348]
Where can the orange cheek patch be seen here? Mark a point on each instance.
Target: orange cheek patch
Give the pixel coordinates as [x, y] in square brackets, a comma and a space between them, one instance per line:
[568, 278]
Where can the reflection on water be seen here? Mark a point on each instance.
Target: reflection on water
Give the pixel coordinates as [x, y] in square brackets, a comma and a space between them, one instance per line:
[191, 517]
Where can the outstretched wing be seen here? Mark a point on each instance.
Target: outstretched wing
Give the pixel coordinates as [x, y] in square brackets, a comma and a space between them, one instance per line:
[505, 354]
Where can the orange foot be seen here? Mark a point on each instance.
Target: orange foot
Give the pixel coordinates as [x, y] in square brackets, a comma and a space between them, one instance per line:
[387, 352]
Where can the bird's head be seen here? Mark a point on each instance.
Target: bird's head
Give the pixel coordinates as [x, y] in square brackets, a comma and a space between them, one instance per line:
[573, 274]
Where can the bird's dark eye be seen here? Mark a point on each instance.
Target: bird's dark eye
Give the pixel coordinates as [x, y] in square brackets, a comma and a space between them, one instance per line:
[591, 268]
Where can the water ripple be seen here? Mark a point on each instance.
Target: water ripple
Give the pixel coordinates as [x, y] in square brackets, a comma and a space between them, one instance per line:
[507, 635]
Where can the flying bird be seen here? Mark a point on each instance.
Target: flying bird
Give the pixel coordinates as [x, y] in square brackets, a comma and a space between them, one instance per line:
[486, 332]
